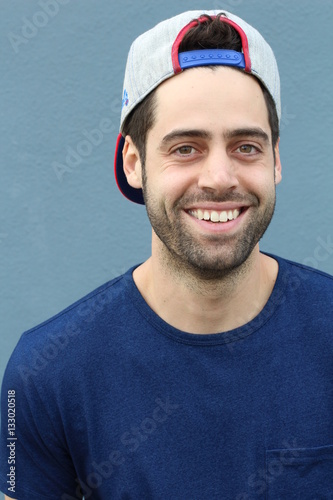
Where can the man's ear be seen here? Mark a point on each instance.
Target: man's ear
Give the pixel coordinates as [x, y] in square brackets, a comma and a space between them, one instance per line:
[278, 166]
[132, 163]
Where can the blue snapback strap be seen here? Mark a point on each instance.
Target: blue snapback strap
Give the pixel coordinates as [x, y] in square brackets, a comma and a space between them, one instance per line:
[210, 57]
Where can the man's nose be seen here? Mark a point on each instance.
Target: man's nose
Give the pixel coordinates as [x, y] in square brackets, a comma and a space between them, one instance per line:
[218, 172]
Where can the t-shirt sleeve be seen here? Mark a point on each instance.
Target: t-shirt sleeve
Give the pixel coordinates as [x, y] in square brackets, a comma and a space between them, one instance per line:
[34, 459]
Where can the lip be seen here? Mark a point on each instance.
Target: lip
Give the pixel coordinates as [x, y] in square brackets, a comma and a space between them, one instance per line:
[219, 227]
[218, 207]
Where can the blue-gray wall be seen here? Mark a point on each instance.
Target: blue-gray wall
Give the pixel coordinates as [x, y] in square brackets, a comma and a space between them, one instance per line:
[64, 232]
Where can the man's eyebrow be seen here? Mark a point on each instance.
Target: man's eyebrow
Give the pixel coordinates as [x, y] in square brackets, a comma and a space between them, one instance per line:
[179, 134]
[255, 132]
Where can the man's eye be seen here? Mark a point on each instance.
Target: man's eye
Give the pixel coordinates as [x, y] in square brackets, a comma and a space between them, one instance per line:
[247, 149]
[185, 150]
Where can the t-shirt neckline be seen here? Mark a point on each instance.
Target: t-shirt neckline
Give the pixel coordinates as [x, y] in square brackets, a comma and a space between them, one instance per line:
[276, 298]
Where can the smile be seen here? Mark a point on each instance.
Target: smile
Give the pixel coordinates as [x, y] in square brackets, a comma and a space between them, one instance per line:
[214, 216]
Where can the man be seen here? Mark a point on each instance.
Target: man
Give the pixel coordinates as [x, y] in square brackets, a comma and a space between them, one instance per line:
[206, 372]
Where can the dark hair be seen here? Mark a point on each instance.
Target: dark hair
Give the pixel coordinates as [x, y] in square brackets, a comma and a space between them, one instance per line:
[212, 33]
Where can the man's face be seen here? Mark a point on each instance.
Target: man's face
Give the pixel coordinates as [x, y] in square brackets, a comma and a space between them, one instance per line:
[209, 177]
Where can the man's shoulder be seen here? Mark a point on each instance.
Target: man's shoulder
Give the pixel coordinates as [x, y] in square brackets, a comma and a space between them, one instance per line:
[307, 285]
[308, 274]
[85, 309]
[67, 337]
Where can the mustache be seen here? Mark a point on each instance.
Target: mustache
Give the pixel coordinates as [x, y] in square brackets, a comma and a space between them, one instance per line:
[188, 200]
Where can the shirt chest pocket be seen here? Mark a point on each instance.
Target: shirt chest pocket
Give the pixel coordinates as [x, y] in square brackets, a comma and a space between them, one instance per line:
[300, 474]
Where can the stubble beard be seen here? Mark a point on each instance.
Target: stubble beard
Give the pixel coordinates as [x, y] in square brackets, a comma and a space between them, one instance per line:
[216, 256]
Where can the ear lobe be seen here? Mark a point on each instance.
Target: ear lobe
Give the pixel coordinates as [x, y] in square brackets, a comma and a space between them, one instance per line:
[278, 166]
[132, 163]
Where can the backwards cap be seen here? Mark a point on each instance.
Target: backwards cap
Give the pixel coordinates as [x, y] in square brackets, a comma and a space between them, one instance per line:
[154, 57]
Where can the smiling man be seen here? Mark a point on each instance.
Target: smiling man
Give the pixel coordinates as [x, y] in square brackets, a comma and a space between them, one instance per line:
[206, 372]
[209, 188]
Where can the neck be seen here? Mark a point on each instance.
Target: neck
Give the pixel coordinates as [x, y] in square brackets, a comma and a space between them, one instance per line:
[197, 302]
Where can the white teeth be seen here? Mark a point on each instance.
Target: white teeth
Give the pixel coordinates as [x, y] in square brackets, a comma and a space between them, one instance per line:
[215, 216]
[223, 217]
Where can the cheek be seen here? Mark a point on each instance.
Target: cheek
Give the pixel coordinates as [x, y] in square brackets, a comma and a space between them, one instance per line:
[171, 183]
[260, 184]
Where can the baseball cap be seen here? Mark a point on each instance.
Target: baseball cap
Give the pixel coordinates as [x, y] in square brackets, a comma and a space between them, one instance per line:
[154, 57]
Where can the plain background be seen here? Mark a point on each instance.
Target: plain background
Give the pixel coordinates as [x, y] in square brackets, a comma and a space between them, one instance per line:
[64, 227]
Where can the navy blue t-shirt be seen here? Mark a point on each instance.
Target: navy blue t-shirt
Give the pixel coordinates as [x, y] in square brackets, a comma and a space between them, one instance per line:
[110, 397]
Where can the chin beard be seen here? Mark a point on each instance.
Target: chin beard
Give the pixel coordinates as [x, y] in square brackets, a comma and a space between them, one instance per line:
[222, 255]
[192, 257]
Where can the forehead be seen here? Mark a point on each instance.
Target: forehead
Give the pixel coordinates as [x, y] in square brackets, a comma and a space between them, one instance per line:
[210, 97]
